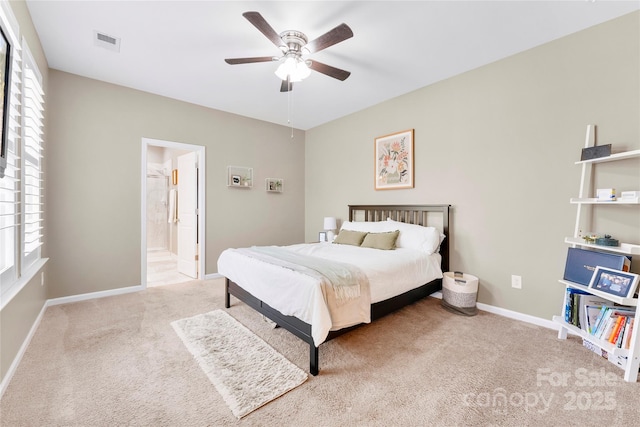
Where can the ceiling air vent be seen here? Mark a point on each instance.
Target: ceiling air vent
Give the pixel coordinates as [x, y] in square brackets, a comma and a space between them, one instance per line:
[106, 41]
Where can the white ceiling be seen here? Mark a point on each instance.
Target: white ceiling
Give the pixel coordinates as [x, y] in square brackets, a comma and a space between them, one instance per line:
[177, 48]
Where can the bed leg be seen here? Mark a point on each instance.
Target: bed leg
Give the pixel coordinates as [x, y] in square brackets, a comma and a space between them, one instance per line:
[227, 296]
[314, 365]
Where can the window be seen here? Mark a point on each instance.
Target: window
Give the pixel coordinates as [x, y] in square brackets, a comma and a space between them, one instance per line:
[21, 190]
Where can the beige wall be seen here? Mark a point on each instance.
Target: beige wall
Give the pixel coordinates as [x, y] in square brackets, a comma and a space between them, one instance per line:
[94, 172]
[499, 144]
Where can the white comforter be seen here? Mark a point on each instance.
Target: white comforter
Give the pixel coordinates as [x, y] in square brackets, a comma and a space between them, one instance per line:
[390, 273]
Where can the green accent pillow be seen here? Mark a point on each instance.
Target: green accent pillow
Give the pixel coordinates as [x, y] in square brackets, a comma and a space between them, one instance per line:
[385, 241]
[348, 237]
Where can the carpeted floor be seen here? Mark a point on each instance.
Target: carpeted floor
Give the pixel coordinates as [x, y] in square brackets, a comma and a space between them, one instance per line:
[117, 361]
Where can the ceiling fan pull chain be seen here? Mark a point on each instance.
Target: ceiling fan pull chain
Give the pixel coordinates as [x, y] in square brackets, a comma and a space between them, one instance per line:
[289, 112]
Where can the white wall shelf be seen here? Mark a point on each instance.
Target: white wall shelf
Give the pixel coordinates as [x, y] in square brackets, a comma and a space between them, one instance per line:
[594, 201]
[632, 302]
[274, 185]
[612, 158]
[239, 177]
[624, 248]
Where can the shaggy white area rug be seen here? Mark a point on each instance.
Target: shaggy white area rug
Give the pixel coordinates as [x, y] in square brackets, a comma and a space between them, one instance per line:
[245, 370]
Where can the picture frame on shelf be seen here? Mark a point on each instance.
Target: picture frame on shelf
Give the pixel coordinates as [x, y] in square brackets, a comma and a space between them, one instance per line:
[274, 185]
[240, 177]
[614, 282]
[394, 163]
[322, 236]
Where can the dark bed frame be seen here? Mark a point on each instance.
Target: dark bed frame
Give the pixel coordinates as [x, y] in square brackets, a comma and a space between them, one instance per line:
[413, 214]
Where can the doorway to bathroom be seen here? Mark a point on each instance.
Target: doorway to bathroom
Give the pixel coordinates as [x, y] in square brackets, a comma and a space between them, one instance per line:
[172, 220]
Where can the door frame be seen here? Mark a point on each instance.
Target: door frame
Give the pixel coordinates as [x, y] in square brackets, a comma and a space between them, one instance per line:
[200, 153]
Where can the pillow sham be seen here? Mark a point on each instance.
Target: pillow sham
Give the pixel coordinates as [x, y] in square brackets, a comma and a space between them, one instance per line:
[426, 239]
[350, 237]
[385, 240]
[368, 226]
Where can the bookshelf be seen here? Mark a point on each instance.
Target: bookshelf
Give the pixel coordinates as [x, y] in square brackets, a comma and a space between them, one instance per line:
[627, 359]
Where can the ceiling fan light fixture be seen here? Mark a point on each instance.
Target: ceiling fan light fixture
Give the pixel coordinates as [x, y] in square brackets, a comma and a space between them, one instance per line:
[294, 68]
[294, 45]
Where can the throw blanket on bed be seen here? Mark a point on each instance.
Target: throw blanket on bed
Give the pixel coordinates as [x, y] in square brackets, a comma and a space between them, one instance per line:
[345, 279]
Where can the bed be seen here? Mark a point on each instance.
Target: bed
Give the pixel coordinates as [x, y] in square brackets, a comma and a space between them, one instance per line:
[301, 303]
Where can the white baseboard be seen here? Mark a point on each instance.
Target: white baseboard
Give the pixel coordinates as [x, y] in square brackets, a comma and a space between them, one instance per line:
[213, 276]
[93, 295]
[512, 314]
[16, 361]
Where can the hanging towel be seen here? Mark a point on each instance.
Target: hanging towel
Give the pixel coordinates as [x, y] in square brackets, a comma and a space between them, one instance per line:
[173, 206]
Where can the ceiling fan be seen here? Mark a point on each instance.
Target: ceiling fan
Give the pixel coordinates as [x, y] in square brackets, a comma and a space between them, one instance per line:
[294, 44]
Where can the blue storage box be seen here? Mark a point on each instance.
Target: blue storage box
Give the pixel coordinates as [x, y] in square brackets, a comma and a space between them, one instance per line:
[581, 264]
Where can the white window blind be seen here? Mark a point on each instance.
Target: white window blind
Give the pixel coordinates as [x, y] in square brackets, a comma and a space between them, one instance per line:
[32, 182]
[10, 200]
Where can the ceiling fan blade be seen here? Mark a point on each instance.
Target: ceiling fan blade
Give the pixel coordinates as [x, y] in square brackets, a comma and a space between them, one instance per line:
[286, 85]
[263, 26]
[234, 61]
[338, 34]
[330, 71]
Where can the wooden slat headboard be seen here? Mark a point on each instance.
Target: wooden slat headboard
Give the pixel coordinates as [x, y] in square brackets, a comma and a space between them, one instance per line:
[426, 215]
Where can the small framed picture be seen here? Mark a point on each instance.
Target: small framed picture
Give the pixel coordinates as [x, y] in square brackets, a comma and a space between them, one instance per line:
[274, 185]
[322, 236]
[615, 282]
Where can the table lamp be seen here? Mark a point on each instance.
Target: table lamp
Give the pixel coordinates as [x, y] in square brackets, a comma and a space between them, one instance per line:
[330, 226]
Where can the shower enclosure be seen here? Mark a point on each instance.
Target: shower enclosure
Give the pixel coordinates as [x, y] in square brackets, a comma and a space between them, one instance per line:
[157, 208]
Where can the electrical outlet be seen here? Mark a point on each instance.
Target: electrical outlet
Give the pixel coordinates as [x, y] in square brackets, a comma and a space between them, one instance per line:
[516, 281]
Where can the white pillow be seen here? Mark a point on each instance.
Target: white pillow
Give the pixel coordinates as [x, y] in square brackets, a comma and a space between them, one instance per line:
[368, 226]
[426, 239]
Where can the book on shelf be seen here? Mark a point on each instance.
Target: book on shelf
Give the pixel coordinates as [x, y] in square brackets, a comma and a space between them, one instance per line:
[591, 315]
[587, 300]
[620, 341]
[607, 327]
[615, 332]
[627, 333]
[613, 324]
[576, 303]
[598, 322]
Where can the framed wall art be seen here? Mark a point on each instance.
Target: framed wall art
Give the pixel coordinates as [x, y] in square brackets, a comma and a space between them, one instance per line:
[615, 282]
[394, 164]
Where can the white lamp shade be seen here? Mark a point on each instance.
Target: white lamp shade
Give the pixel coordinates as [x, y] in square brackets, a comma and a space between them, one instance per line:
[295, 69]
[287, 67]
[330, 223]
